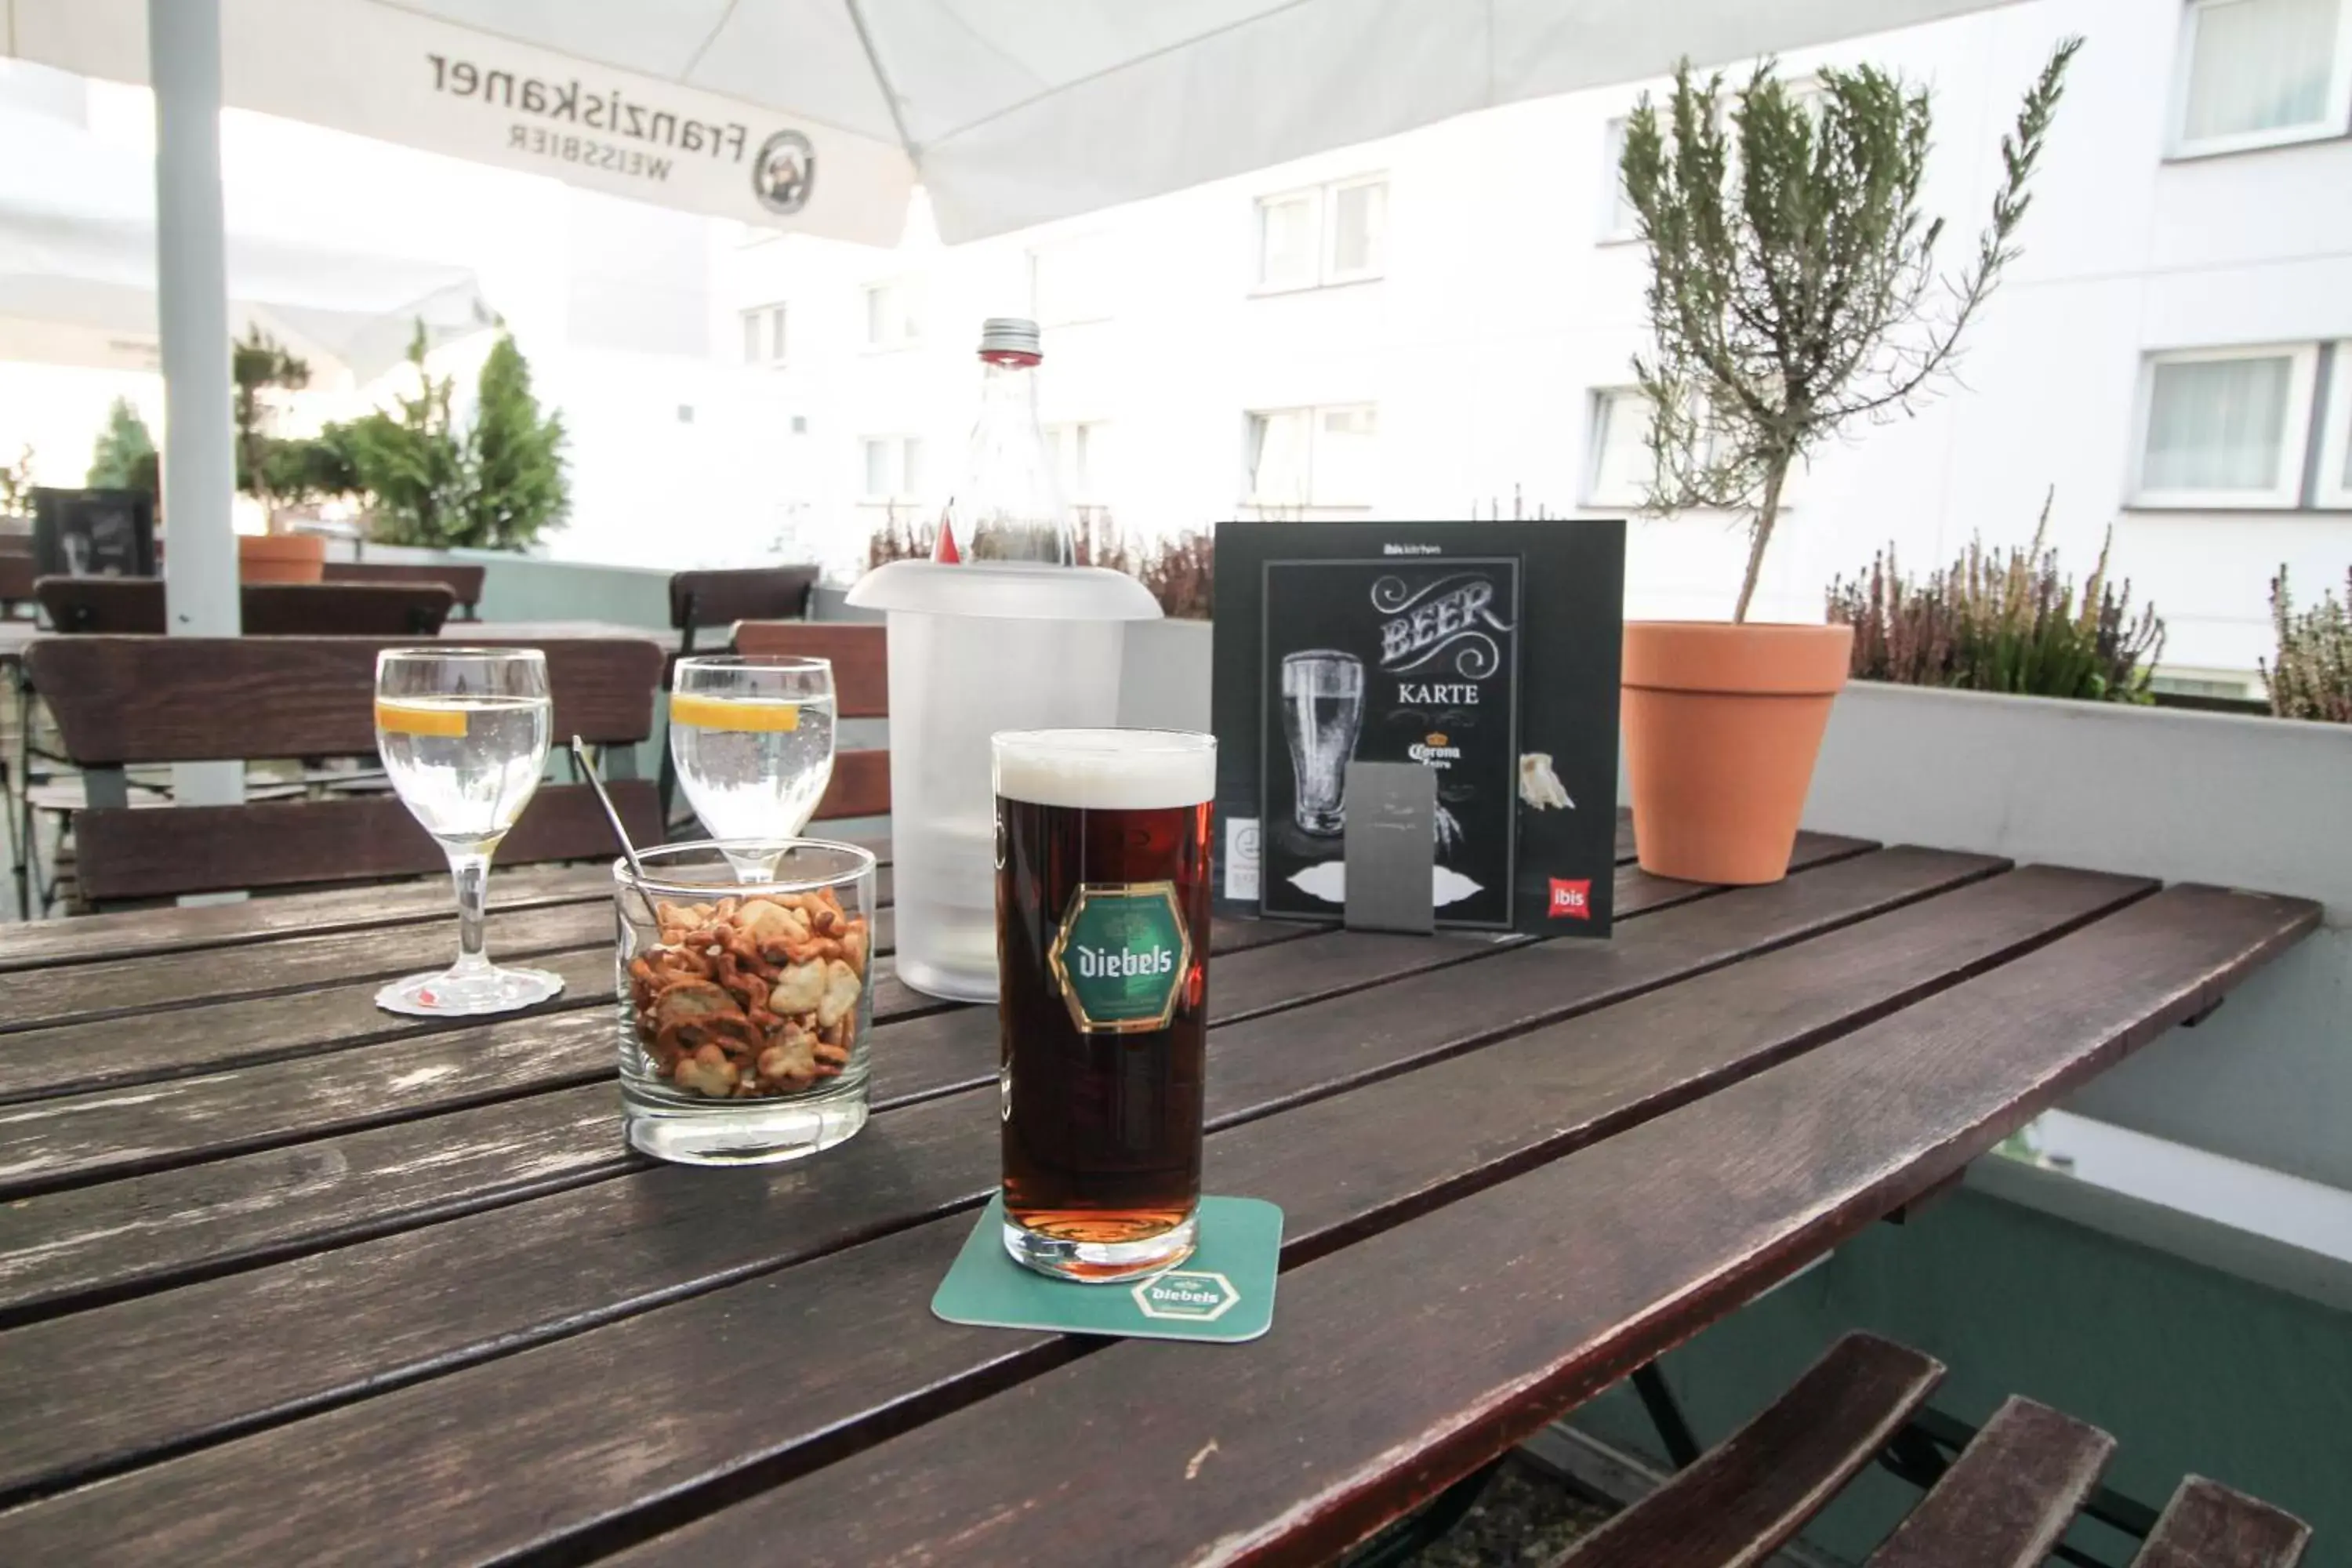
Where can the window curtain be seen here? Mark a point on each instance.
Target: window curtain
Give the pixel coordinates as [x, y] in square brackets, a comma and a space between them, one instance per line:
[1622, 471]
[1359, 221]
[1278, 456]
[2260, 65]
[1618, 218]
[2216, 425]
[1286, 241]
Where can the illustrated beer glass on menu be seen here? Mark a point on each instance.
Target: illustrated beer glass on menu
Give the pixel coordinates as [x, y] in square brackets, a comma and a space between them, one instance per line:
[1102, 910]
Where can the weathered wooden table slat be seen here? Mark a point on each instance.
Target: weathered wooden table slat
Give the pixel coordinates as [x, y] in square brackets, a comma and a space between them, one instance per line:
[294, 1280]
[941, 1053]
[1440, 1340]
[97, 938]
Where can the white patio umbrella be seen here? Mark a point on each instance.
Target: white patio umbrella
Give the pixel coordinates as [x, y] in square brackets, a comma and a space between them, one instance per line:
[77, 282]
[821, 114]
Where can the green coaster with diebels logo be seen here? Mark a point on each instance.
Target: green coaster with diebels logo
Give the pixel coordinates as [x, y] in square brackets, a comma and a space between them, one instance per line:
[1222, 1294]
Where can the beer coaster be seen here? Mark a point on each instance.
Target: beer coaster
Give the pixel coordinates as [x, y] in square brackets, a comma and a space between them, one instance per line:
[1222, 1294]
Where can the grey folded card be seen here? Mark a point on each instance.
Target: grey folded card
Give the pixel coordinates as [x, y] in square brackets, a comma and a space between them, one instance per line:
[1392, 847]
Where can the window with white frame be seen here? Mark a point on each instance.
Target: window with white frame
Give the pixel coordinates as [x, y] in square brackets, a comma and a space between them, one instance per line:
[764, 335]
[894, 467]
[2202, 683]
[1619, 465]
[2335, 490]
[1306, 458]
[2224, 428]
[1618, 220]
[1078, 455]
[894, 315]
[2254, 73]
[1357, 229]
[1336, 233]
[1069, 282]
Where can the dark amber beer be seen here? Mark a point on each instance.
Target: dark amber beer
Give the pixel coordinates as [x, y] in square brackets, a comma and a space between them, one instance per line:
[1102, 921]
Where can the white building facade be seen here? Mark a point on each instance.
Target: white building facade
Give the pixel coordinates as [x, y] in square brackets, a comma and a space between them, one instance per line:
[1437, 321]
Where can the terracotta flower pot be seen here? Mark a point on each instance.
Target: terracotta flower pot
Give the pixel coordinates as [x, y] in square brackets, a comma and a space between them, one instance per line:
[280, 557]
[1722, 725]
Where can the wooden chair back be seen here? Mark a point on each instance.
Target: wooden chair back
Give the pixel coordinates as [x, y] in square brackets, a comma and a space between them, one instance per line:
[125, 606]
[704, 599]
[346, 609]
[861, 689]
[125, 700]
[698, 600]
[15, 584]
[464, 582]
[130, 606]
[2007, 1498]
[98, 533]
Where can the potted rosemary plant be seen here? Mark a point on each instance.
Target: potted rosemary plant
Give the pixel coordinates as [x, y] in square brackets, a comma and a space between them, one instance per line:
[1794, 292]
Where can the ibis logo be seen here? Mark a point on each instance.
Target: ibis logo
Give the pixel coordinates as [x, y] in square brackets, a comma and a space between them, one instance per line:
[1570, 901]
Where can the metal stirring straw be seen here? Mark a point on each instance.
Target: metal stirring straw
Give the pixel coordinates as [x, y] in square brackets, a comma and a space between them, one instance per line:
[611, 815]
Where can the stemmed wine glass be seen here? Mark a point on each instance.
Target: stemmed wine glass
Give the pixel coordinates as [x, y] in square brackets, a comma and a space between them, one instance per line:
[752, 739]
[464, 735]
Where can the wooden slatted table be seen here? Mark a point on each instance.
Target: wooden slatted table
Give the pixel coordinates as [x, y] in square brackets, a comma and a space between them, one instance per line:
[285, 1278]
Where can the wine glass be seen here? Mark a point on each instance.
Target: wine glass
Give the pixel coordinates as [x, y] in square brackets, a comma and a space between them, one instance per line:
[464, 734]
[752, 739]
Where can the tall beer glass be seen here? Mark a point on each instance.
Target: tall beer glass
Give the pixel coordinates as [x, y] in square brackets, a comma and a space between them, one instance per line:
[1322, 713]
[1102, 952]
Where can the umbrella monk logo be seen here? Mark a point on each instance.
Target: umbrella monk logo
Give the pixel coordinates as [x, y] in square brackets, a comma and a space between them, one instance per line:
[783, 171]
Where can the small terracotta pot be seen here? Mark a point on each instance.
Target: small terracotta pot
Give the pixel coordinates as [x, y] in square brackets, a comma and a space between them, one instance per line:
[1722, 725]
[280, 558]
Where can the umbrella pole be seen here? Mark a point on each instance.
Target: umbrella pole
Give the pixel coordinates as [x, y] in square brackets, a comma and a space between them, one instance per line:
[200, 572]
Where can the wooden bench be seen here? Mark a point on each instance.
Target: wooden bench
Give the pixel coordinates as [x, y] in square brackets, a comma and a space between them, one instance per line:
[463, 582]
[122, 701]
[345, 609]
[134, 606]
[2005, 1502]
[861, 690]
[126, 606]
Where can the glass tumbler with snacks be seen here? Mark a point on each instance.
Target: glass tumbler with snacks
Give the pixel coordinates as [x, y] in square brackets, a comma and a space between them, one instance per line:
[745, 1006]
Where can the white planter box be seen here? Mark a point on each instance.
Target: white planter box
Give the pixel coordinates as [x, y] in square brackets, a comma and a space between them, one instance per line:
[2190, 797]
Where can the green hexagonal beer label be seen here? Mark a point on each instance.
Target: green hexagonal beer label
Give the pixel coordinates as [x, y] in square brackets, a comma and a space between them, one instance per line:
[1121, 956]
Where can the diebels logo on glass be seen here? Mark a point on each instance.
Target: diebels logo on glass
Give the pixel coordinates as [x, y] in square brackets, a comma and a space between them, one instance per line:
[1121, 956]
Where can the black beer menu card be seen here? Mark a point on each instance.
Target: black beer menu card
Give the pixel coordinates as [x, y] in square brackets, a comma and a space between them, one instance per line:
[1486, 652]
[1389, 661]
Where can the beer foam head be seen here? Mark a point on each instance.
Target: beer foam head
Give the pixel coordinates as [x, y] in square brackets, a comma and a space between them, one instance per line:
[1105, 769]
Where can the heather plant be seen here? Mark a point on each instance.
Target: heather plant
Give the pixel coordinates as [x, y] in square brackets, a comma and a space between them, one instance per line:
[2001, 621]
[1178, 572]
[899, 538]
[1522, 510]
[2312, 677]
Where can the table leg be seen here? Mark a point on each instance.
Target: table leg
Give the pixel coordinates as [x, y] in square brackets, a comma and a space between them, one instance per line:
[22, 806]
